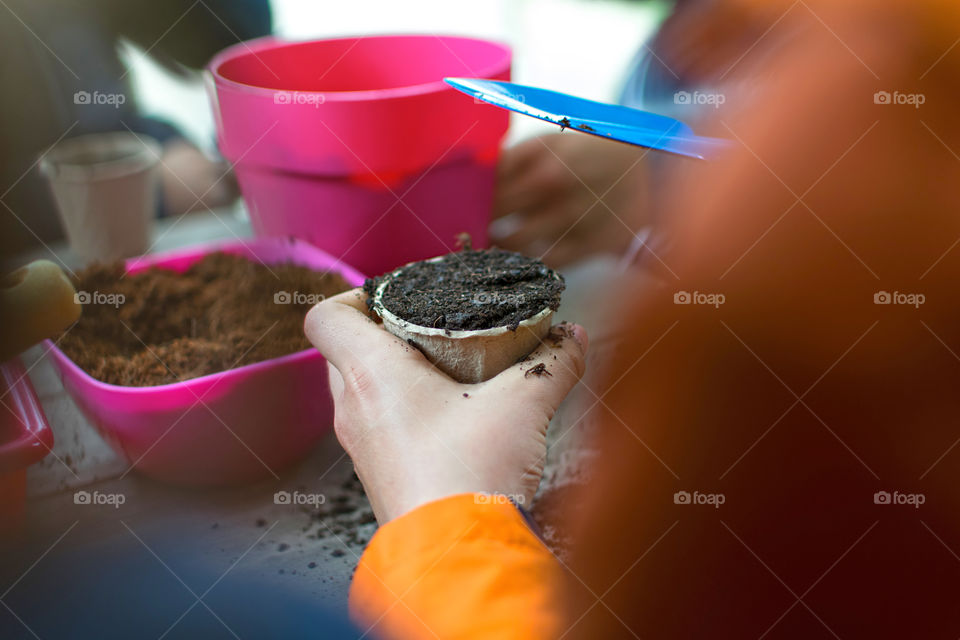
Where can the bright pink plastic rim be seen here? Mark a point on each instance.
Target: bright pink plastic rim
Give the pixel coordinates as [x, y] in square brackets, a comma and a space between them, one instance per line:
[26, 436]
[269, 45]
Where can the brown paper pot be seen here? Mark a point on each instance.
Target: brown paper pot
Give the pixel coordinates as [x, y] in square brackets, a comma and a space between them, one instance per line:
[468, 356]
[105, 186]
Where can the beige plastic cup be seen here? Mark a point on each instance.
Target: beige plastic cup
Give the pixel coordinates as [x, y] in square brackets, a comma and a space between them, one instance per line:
[105, 186]
[467, 356]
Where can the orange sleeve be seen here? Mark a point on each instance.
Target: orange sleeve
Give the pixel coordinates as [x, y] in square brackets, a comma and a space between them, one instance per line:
[457, 569]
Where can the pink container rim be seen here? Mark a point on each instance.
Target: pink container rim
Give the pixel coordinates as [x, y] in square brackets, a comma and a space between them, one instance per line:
[142, 262]
[257, 45]
[29, 437]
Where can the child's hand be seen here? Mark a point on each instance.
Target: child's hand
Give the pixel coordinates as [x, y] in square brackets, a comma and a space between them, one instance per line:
[414, 434]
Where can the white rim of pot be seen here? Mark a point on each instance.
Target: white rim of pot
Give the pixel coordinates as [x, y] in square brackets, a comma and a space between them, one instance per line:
[388, 315]
[132, 153]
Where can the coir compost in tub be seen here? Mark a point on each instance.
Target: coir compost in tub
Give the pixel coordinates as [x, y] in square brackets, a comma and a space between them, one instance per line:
[159, 326]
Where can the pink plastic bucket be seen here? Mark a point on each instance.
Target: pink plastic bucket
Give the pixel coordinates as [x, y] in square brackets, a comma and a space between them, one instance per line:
[358, 146]
[227, 427]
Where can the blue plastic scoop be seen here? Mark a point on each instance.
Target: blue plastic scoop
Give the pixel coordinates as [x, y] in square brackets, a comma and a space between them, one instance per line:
[633, 126]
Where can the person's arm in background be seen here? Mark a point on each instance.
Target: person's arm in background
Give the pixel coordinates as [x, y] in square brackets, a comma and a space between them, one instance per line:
[439, 460]
[546, 202]
[548, 186]
[566, 196]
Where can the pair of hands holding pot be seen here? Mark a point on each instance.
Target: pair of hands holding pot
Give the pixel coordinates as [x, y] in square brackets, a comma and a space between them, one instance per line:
[414, 434]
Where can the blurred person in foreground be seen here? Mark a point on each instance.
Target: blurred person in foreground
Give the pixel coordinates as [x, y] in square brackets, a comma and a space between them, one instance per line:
[780, 462]
[63, 77]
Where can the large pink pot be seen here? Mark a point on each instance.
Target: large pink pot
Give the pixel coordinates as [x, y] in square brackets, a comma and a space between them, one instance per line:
[357, 144]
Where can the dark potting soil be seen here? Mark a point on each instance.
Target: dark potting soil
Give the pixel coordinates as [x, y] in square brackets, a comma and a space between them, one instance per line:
[158, 326]
[471, 289]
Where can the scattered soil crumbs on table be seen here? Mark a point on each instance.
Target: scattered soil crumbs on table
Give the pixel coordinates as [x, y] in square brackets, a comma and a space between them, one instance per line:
[470, 289]
[345, 517]
[158, 326]
[344, 523]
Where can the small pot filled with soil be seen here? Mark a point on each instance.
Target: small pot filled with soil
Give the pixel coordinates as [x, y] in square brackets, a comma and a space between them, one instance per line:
[473, 313]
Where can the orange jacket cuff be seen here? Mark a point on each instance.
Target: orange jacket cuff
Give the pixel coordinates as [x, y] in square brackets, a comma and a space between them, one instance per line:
[461, 567]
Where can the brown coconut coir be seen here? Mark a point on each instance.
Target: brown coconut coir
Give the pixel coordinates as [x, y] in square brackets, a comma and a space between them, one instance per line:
[158, 326]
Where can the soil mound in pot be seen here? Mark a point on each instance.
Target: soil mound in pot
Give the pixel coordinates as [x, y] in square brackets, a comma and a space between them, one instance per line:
[158, 326]
[469, 290]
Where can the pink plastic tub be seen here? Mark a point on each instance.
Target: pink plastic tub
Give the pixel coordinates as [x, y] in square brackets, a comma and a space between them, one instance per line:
[224, 428]
[25, 438]
[357, 144]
